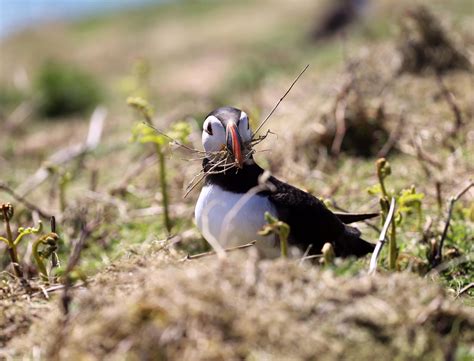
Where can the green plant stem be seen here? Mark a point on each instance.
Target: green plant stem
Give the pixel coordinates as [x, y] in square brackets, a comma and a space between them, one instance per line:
[392, 250]
[382, 184]
[164, 187]
[11, 246]
[39, 261]
[62, 197]
[284, 245]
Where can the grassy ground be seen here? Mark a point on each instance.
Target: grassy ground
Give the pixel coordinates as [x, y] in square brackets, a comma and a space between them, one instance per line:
[142, 297]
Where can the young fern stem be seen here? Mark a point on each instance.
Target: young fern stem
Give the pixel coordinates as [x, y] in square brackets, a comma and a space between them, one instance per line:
[328, 254]
[274, 226]
[39, 261]
[164, 187]
[11, 247]
[283, 244]
[142, 106]
[49, 241]
[381, 164]
[392, 250]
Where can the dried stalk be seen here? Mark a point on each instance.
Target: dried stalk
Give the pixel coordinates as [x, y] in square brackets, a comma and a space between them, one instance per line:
[211, 253]
[439, 255]
[22, 200]
[393, 138]
[281, 99]
[382, 238]
[451, 100]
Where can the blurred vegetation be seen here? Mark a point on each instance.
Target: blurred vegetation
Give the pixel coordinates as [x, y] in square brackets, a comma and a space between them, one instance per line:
[63, 89]
[10, 97]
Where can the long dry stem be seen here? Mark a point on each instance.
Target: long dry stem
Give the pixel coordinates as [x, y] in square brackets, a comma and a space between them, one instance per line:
[382, 237]
[164, 188]
[392, 251]
[439, 255]
[281, 99]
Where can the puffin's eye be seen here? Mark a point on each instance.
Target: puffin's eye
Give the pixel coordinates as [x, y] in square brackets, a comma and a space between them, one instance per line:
[209, 128]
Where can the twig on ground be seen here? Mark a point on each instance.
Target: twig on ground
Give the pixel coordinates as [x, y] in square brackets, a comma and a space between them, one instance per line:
[306, 253]
[54, 288]
[382, 241]
[451, 100]
[22, 200]
[451, 263]
[393, 138]
[65, 155]
[439, 255]
[313, 256]
[211, 253]
[465, 289]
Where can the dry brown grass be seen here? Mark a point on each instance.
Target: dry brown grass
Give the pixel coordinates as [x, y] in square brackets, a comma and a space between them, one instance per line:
[153, 306]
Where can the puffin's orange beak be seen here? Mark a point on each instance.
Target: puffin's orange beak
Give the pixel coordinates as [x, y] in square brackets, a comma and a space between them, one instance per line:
[234, 143]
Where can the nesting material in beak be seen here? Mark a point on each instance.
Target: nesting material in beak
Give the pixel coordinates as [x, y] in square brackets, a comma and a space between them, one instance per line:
[234, 143]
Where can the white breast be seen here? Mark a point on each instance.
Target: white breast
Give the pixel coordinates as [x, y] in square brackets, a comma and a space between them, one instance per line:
[220, 215]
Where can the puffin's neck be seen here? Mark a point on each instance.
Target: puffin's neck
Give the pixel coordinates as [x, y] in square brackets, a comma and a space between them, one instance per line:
[234, 180]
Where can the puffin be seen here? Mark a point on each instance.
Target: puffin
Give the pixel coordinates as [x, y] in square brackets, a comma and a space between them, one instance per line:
[237, 193]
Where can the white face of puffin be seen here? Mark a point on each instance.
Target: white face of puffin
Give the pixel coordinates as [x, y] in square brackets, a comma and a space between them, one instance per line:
[235, 136]
[215, 203]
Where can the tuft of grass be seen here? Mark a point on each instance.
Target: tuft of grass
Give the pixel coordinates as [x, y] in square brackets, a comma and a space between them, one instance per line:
[246, 308]
[425, 45]
[65, 89]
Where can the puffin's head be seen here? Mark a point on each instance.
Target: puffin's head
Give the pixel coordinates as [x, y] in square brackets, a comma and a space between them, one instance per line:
[227, 129]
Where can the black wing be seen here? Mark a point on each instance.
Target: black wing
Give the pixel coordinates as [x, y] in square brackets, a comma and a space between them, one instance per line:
[349, 218]
[312, 223]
